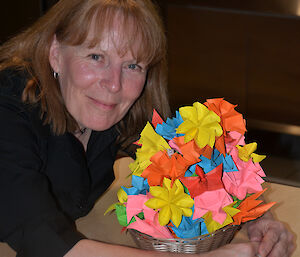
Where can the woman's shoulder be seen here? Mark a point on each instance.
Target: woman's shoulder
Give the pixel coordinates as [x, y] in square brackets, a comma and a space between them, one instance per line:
[13, 82]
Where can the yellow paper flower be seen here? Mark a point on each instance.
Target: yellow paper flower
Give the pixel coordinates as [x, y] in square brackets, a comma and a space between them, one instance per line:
[200, 124]
[171, 201]
[151, 143]
[213, 225]
[247, 151]
[122, 195]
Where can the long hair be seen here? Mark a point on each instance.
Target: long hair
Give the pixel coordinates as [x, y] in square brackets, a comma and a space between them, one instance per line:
[70, 21]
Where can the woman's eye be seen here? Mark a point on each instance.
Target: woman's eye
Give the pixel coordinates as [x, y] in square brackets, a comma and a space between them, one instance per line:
[96, 57]
[134, 66]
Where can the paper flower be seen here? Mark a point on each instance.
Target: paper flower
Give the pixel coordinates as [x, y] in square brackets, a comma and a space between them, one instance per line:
[171, 164]
[151, 228]
[168, 128]
[203, 182]
[151, 143]
[213, 202]
[190, 228]
[213, 225]
[247, 180]
[171, 201]
[199, 124]
[247, 151]
[231, 120]
[251, 209]
[164, 165]
[139, 186]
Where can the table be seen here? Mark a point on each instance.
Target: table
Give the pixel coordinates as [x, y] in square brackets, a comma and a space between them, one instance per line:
[106, 228]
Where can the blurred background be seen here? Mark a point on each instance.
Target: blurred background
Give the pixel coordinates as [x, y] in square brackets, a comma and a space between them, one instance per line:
[245, 51]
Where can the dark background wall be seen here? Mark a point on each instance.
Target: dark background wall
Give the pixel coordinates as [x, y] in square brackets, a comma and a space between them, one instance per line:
[16, 15]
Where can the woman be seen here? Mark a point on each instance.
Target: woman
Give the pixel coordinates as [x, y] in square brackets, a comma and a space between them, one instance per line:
[75, 88]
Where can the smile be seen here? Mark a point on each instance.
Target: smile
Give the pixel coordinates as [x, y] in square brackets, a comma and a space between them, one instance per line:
[102, 105]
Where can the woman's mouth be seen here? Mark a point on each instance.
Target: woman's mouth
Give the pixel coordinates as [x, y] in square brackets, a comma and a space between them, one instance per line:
[103, 105]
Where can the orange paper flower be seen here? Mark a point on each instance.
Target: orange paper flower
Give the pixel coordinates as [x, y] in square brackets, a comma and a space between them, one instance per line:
[250, 209]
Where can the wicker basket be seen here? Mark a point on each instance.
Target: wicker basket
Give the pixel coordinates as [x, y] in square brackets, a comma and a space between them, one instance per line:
[198, 244]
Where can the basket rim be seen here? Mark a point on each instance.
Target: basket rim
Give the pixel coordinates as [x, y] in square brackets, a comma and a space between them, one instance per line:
[197, 238]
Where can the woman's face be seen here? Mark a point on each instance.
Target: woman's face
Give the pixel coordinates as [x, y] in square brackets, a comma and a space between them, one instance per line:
[98, 84]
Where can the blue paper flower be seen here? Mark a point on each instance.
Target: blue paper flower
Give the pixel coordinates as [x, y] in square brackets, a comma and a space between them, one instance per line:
[139, 186]
[209, 164]
[189, 228]
[168, 129]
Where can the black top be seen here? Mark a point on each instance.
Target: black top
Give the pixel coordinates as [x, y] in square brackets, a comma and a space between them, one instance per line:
[46, 181]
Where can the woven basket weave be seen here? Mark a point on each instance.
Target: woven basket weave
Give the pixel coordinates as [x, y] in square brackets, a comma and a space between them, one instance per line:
[190, 245]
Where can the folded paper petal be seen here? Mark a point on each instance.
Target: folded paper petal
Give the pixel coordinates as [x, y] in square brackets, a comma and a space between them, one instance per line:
[232, 139]
[156, 119]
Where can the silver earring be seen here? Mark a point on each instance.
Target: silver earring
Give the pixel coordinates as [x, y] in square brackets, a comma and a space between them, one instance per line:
[55, 75]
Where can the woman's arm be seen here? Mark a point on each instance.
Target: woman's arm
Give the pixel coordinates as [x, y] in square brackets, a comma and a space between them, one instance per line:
[89, 248]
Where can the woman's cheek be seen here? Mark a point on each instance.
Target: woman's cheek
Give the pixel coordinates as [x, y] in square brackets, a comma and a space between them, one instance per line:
[84, 75]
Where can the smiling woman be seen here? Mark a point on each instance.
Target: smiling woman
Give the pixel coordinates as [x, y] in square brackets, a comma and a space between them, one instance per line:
[99, 84]
[75, 88]
[70, 87]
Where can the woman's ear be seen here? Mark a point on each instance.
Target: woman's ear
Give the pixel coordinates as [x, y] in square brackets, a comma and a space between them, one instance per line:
[54, 54]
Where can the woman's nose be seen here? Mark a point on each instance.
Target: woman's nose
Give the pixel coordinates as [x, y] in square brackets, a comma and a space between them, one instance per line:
[111, 79]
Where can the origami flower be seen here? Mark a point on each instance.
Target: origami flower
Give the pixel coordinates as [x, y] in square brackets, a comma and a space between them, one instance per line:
[189, 228]
[139, 186]
[247, 151]
[136, 204]
[164, 165]
[190, 151]
[149, 224]
[246, 180]
[199, 124]
[231, 120]
[213, 202]
[171, 164]
[172, 202]
[213, 225]
[203, 182]
[168, 128]
[251, 209]
[151, 143]
[151, 228]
